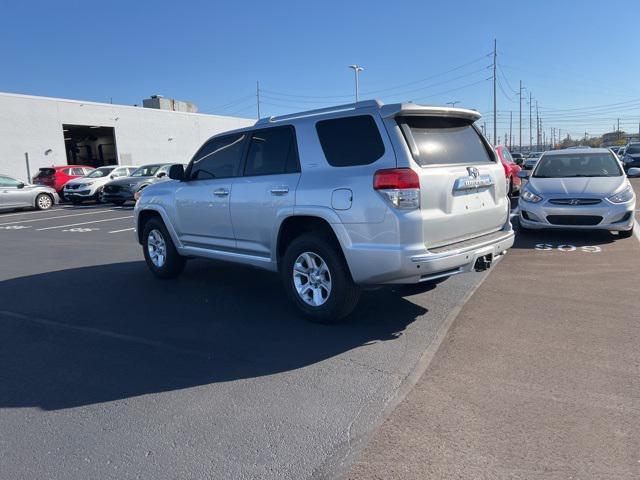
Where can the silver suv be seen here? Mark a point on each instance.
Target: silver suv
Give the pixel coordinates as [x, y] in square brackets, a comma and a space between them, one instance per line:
[336, 199]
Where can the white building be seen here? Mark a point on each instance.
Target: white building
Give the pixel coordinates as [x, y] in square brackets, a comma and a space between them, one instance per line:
[55, 131]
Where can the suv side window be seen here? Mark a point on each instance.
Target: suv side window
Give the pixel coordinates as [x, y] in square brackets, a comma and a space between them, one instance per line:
[272, 151]
[350, 141]
[76, 171]
[218, 158]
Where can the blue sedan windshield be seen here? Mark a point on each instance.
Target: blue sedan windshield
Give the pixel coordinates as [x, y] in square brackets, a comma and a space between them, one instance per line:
[578, 165]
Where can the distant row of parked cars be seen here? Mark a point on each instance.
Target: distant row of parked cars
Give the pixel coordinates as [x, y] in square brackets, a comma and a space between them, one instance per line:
[115, 184]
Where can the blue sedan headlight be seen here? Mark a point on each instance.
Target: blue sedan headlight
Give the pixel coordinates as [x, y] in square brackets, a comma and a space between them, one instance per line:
[528, 196]
[623, 196]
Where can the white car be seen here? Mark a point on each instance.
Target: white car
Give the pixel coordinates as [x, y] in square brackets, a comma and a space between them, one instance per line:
[90, 186]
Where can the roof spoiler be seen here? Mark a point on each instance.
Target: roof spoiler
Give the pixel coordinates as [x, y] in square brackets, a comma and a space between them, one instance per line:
[320, 111]
[409, 109]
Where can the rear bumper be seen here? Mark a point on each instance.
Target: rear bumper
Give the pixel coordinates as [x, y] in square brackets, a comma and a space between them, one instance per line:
[380, 265]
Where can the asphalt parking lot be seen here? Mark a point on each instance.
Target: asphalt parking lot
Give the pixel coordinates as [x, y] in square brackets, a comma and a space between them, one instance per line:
[537, 377]
[111, 373]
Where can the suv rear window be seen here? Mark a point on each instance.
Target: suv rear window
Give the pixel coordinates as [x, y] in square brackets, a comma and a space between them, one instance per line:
[45, 172]
[445, 141]
[350, 141]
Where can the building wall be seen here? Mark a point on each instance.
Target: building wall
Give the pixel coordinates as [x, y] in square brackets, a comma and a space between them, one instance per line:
[34, 125]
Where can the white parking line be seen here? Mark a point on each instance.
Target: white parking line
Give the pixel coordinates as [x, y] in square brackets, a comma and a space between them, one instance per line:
[2, 215]
[123, 230]
[53, 218]
[84, 223]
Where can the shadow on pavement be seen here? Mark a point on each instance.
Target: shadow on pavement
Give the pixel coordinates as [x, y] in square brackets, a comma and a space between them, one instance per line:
[532, 239]
[101, 333]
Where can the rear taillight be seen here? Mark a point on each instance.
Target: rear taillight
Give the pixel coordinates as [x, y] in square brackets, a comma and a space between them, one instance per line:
[400, 186]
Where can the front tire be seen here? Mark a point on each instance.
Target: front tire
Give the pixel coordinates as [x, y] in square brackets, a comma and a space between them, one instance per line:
[317, 279]
[44, 202]
[160, 253]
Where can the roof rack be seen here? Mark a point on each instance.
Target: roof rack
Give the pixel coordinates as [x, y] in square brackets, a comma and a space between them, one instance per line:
[320, 111]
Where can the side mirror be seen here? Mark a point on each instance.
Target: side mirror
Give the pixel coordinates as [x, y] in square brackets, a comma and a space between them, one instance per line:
[21, 184]
[176, 172]
[519, 161]
[523, 174]
[633, 172]
[161, 174]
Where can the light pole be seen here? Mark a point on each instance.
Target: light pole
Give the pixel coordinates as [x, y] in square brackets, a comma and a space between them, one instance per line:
[453, 104]
[356, 70]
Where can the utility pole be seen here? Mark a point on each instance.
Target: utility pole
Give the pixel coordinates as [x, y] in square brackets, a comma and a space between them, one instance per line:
[520, 124]
[537, 125]
[356, 70]
[453, 104]
[495, 113]
[258, 97]
[530, 119]
[510, 129]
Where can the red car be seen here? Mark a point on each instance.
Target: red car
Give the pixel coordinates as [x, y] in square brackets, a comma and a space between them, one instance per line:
[511, 169]
[56, 177]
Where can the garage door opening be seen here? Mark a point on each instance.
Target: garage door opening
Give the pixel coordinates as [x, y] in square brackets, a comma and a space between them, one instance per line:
[90, 145]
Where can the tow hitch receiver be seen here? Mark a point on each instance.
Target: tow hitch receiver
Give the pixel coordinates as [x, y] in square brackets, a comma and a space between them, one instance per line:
[484, 262]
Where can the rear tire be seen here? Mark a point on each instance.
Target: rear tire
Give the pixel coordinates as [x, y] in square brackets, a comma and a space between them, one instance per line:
[317, 279]
[160, 253]
[44, 201]
[625, 233]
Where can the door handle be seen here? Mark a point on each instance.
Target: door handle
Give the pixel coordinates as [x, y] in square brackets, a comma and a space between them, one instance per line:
[221, 192]
[283, 190]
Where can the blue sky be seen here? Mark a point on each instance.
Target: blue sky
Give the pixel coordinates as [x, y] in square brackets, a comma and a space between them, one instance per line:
[576, 58]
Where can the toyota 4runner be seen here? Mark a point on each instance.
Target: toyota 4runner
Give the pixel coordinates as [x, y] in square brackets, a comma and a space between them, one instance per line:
[336, 199]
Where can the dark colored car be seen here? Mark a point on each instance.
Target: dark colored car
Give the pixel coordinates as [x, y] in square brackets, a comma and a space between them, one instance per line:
[518, 158]
[511, 169]
[631, 156]
[56, 177]
[124, 189]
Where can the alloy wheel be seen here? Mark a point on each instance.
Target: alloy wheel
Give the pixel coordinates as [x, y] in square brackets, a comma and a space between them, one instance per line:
[157, 248]
[312, 279]
[44, 202]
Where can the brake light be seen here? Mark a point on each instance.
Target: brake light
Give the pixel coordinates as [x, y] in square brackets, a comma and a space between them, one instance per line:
[400, 186]
[393, 178]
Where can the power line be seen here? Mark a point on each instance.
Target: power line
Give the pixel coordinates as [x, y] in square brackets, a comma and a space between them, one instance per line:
[388, 89]
[227, 105]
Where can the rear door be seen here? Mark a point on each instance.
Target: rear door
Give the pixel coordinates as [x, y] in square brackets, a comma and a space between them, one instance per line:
[463, 191]
[202, 201]
[266, 190]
